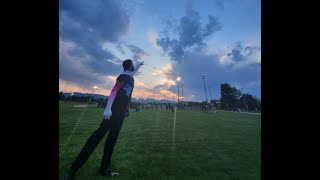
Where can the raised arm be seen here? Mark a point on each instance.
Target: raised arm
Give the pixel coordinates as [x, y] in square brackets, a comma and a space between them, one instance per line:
[136, 67]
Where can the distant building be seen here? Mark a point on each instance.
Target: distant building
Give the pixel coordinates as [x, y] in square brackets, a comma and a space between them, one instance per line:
[184, 102]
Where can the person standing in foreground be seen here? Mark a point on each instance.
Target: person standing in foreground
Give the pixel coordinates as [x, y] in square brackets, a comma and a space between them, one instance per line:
[117, 109]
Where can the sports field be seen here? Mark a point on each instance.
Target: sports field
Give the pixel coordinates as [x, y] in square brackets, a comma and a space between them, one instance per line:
[159, 144]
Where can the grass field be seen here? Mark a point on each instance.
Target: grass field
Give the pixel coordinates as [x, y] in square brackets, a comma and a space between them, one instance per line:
[158, 144]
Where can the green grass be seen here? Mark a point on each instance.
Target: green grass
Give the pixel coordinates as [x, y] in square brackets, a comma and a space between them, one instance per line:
[218, 146]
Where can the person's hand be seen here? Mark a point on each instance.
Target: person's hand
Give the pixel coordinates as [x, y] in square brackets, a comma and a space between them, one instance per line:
[107, 113]
[141, 63]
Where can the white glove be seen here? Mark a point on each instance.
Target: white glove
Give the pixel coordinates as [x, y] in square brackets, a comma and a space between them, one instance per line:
[107, 113]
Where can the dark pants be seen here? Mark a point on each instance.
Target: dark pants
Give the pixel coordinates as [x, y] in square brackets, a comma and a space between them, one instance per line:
[114, 125]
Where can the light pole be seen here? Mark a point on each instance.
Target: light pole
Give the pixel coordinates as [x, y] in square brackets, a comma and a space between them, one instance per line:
[93, 88]
[205, 90]
[182, 91]
[178, 79]
[172, 98]
[210, 93]
[210, 97]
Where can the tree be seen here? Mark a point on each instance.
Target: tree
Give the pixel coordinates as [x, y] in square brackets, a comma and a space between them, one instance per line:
[229, 97]
[249, 102]
[214, 103]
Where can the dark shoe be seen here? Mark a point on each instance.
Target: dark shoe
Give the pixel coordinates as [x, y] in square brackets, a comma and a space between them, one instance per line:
[70, 175]
[108, 172]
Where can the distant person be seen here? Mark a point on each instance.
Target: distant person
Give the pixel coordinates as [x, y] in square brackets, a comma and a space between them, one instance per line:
[113, 116]
[204, 108]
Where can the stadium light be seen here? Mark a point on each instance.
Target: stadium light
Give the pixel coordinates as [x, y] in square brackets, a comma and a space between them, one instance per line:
[93, 88]
[182, 91]
[178, 79]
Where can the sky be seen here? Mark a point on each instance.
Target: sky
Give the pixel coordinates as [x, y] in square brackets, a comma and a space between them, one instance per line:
[218, 39]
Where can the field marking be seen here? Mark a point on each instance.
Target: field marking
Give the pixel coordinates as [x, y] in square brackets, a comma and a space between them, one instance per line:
[174, 127]
[202, 170]
[74, 128]
[80, 105]
[155, 129]
[173, 153]
[237, 112]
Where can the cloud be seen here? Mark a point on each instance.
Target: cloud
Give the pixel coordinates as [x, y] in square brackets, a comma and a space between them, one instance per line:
[87, 25]
[212, 26]
[89, 40]
[112, 79]
[220, 4]
[253, 83]
[235, 54]
[120, 48]
[245, 55]
[96, 19]
[70, 87]
[74, 68]
[163, 94]
[161, 87]
[138, 53]
[166, 69]
[184, 42]
[152, 38]
[197, 64]
[124, 50]
[166, 77]
[190, 31]
[223, 57]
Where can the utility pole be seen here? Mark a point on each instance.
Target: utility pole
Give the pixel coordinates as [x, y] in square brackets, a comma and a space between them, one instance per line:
[205, 90]
[210, 93]
[182, 91]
